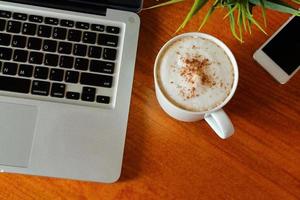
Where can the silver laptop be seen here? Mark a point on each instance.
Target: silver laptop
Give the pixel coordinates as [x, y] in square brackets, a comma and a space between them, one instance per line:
[66, 73]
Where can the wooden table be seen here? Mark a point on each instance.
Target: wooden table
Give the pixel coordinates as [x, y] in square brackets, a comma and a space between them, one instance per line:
[168, 159]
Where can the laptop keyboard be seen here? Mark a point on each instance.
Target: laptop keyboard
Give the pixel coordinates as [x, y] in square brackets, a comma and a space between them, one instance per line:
[42, 56]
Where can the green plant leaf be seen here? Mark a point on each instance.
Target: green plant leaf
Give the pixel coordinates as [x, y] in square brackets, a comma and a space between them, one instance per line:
[208, 14]
[164, 4]
[278, 5]
[263, 10]
[232, 24]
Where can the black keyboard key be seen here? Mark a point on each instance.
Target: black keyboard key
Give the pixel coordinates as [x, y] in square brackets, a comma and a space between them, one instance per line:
[52, 21]
[108, 40]
[36, 58]
[13, 27]
[0, 66]
[95, 52]
[82, 25]
[29, 29]
[80, 50]
[96, 80]
[5, 14]
[59, 33]
[40, 88]
[66, 62]
[50, 45]
[73, 95]
[20, 55]
[12, 84]
[98, 27]
[103, 99]
[41, 72]
[102, 67]
[113, 29]
[19, 41]
[34, 43]
[65, 48]
[56, 74]
[44, 31]
[51, 60]
[20, 16]
[5, 39]
[88, 94]
[5, 53]
[109, 54]
[72, 77]
[74, 35]
[35, 18]
[2, 24]
[58, 90]
[67, 23]
[10, 68]
[81, 63]
[25, 70]
[89, 37]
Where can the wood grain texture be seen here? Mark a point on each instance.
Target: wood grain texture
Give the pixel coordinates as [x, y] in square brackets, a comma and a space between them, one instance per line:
[168, 159]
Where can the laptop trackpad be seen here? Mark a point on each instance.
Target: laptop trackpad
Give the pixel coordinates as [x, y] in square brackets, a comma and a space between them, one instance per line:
[17, 125]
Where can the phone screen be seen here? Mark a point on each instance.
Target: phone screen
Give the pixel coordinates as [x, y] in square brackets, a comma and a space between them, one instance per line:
[284, 48]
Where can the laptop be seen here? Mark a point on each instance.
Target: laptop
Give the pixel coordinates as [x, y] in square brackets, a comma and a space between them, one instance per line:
[66, 74]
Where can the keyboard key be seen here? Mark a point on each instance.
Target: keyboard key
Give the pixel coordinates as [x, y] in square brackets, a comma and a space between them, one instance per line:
[102, 67]
[88, 94]
[98, 27]
[89, 37]
[13, 27]
[96, 80]
[58, 90]
[59, 33]
[0, 66]
[74, 35]
[95, 52]
[19, 41]
[50, 45]
[5, 14]
[20, 55]
[5, 53]
[112, 29]
[10, 68]
[67, 23]
[51, 60]
[20, 16]
[44, 31]
[35, 18]
[29, 29]
[109, 54]
[66, 62]
[108, 40]
[34, 43]
[5, 39]
[26, 70]
[41, 72]
[40, 88]
[80, 50]
[2, 24]
[36, 58]
[64, 47]
[103, 99]
[72, 77]
[73, 95]
[52, 21]
[81, 63]
[56, 74]
[12, 84]
[82, 25]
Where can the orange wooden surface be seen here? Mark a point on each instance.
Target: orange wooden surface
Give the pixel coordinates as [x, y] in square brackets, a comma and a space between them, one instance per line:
[168, 159]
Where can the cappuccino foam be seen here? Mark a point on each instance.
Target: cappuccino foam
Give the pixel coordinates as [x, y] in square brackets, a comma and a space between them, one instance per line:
[195, 74]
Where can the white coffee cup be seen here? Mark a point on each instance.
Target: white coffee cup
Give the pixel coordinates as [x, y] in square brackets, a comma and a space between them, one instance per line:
[216, 117]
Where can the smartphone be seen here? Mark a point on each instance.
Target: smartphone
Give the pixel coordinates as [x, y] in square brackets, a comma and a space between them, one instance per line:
[280, 54]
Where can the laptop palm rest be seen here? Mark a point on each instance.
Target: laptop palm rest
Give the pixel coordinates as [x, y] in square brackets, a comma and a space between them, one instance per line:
[17, 125]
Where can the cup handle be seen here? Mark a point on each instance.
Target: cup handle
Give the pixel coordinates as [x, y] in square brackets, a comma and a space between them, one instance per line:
[220, 123]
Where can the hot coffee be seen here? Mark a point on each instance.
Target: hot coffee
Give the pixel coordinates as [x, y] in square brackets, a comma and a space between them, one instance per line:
[195, 74]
